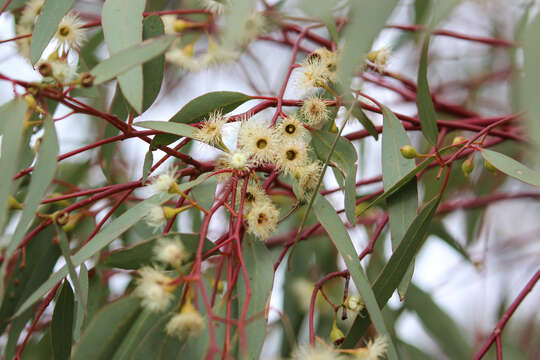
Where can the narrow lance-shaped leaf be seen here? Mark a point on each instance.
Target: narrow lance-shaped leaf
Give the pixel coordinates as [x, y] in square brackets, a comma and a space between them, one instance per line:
[66, 252]
[328, 218]
[260, 270]
[426, 110]
[199, 108]
[438, 323]
[62, 323]
[49, 17]
[392, 273]
[122, 26]
[152, 70]
[402, 205]
[41, 177]
[13, 114]
[102, 239]
[168, 127]
[147, 165]
[124, 60]
[512, 167]
[81, 305]
[531, 81]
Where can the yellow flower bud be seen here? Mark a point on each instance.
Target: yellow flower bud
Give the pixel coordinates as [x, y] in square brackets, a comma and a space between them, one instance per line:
[489, 166]
[408, 152]
[458, 140]
[468, 166]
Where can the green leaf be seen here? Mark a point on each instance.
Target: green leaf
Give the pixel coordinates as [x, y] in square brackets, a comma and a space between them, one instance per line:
[421, 11]
[66, 253]
[205, 193]
[392, 273]
[199, 108]
[512, 167]
[157, 345]
[130, 57]
[153, 69]
[25, 279]
[404, 180]
[329, 219]
[140, 254]
[147, 165]
[62, 323]
[344, 157]
[531, 81]
[16, 327]
[439, 324]
[358, 113]
[122, 22]
[101, 240]
[120, 109]
[426, 110]
[168, 127]
[367, 18]
[437, 228]
[260, 270]
[107, 330]
[81, 305]
[50, 16]
[402, 205]
[13, 114]
[41, 178]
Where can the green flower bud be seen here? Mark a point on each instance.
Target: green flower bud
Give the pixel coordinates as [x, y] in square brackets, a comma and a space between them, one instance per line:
[468, 166]
[336, 334]
[489, 166]
[408, 152]
[458, 140]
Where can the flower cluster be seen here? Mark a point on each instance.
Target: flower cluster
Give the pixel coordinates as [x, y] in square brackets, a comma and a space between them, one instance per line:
[70, 34]
[155, 288]
[374, 350]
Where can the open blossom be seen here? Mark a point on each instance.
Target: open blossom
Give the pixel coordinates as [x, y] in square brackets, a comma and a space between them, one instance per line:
[292, 155]
[379, 58]
[62, 71]
[155, 218]
[374, 350]
[31, 12]
[188, 322]
[315, 111]
[255, 194]
[317, 352]
[258, 140]
[308, 176]
[318, 69]
[184, 58]
[211, 129]
[171, 251]
[262, 219]
[354, 303]
[153, 289]
[165, 181]
[216, 6]
[237, 160]
[70, 32]
[291, 128]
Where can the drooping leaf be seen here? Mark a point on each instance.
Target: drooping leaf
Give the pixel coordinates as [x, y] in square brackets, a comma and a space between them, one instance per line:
[41, 178]
[141, 254]
[16, 327]
[205, 193]
[168, 127]
[126, 59]
[344, 157]
[62, 323]
[328, 218]
[531, 81]
[260, 270]
[438, 324]
[200, 107]
[119, 108]
[153, 69]
[101, 240]
[403, 204]
[122, 22]
[66, 253]
[367, 18]
[512, 167]
[107, 329]
[426, 110]
[12, 130]
[81, 306]
[392, 273]
[147, 165]
[358, 113]
[49, 17]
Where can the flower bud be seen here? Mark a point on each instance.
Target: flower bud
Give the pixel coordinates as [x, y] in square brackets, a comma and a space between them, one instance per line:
[489, 166]
[87, 80]
[30, 100]
[468, 166]
[354, 303]
[336, 334]
[408, 152]
[180, 25]
[13, 204]
[61, 218]
[45, 69]
[458, 140]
